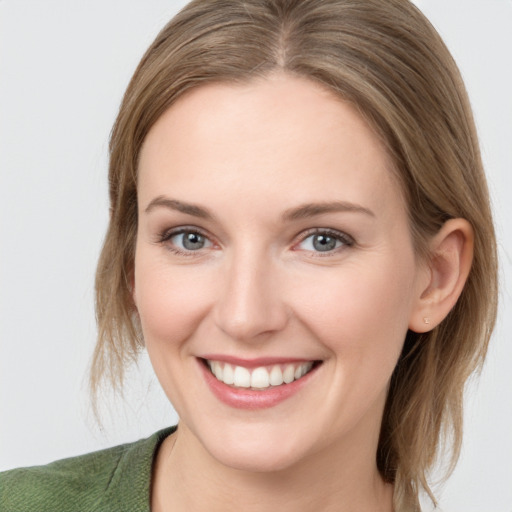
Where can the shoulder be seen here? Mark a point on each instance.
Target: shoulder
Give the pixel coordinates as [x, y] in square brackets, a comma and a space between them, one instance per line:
[95, 481]
[77, 480]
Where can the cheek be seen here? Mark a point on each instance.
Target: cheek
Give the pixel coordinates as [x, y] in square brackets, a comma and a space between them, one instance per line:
[360, 310]
[169, 300]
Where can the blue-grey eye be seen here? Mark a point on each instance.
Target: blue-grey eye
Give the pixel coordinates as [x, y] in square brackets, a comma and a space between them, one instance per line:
[190, 241]
[321, 242]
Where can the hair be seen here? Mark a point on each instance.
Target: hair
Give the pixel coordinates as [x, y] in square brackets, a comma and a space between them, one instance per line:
[387, 60]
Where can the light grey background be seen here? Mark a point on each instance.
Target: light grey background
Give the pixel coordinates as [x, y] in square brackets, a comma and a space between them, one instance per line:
[63, 69]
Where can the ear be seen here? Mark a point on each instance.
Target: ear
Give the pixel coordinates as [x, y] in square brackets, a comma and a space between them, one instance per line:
[451, 255]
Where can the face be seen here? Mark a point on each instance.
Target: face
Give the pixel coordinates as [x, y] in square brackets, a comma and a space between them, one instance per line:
[275, 276]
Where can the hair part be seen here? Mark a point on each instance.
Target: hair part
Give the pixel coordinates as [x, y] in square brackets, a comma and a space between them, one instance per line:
[387, 60]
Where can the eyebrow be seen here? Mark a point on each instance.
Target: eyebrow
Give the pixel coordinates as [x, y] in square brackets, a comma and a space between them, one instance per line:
[303, 211]
[312, 209]
[173, 204]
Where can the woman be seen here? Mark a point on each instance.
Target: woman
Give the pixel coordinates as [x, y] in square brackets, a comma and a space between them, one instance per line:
[301, 237]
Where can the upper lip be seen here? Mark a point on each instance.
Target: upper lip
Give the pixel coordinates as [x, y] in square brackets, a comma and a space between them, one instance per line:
[255, 362]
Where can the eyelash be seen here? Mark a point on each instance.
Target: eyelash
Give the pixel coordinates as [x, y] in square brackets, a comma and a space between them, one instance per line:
[166, 236]
[345, 239]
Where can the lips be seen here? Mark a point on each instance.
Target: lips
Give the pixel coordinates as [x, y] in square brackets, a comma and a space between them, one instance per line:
[256, 384]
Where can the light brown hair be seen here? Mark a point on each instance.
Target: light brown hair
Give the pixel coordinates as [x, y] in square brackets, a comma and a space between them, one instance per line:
[387, 60]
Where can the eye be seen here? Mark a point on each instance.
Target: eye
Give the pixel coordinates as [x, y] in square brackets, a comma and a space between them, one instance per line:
[186, 240]
[325, 241]
[190, 241]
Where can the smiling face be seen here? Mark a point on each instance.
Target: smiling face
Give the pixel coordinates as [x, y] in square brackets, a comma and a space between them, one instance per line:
[273, 241]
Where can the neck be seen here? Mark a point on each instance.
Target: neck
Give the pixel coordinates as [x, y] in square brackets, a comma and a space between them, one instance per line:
[186, 477]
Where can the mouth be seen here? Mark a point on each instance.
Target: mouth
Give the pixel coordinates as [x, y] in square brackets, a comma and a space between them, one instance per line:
[261, 377]
[258, 383]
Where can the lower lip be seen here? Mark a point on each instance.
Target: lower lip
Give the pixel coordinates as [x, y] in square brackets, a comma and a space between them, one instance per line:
[244, 398]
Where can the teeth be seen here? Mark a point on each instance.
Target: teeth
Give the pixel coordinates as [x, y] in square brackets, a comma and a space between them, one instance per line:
[242, 377]
[259, 378]
[217, 370]
[229, 374]
[289, 374]
[276, 376]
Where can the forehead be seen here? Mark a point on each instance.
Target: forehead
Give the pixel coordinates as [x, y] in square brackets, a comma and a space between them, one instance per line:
[282, 133]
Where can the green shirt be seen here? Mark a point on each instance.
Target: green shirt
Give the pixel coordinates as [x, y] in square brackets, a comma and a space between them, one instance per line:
[113, 480]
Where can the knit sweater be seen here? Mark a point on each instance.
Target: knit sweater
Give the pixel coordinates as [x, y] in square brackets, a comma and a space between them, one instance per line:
[112, 480]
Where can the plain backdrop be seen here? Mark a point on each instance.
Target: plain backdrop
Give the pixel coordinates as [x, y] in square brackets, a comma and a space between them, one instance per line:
[63, 68]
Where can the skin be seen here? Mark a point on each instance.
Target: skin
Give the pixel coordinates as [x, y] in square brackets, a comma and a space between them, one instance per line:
[258, 288]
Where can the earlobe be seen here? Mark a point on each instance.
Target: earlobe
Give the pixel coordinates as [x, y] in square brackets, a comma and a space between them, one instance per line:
[451, 251]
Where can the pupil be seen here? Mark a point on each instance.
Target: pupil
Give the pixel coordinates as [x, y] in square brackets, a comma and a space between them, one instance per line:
[193, 241]
[324, 243]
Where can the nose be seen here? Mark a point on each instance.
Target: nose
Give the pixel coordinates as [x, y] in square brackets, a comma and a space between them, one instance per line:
[250, 305]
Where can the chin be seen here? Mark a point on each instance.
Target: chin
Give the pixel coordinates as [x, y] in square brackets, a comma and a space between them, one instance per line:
[260, 460]
[256, 449]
